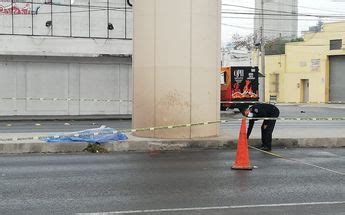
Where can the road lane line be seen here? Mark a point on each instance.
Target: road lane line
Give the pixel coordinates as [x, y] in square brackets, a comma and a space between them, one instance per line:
[215, 208]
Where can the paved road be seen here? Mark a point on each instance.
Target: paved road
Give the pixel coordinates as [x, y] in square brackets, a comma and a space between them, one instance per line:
[196, 182]
[284, 129]
[292, 129]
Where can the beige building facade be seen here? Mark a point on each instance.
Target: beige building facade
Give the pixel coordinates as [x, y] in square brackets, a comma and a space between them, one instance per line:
[312, 71]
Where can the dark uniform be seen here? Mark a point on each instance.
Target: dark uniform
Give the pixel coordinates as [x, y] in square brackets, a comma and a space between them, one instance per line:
[264, 111]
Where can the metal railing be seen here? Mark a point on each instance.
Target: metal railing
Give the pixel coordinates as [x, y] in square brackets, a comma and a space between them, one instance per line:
[103, 19]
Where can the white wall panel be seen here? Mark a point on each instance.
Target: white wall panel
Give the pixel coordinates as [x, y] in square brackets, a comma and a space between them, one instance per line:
[97, 81]
[8, 87]
[124, 87]
[63, 78]
[47, 80]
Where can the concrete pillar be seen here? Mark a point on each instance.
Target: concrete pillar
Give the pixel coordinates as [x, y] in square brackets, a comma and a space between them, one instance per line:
[176, 65]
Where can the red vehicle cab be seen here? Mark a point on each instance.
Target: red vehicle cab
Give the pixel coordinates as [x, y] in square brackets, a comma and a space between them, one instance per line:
[238, 86]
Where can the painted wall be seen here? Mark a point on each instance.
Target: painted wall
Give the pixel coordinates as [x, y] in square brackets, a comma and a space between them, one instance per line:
[307, 60]
[275, 64]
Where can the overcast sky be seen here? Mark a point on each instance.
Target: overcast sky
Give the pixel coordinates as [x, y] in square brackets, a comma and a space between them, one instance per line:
[245, 24]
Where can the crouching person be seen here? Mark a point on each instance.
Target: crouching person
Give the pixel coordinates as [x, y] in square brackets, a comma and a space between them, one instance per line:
[263, 111]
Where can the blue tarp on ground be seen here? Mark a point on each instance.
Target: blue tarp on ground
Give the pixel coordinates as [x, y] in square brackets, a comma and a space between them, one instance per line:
[95, 135]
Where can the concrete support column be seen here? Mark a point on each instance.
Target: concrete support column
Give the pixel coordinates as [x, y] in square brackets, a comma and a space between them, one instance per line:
[176, 65]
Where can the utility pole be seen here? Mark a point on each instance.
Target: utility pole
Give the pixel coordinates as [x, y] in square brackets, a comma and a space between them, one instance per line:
[262, 46]
[222, 61]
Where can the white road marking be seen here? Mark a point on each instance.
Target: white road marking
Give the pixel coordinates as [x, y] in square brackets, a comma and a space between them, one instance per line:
[298, 161]
[215, 208]
[320, 167]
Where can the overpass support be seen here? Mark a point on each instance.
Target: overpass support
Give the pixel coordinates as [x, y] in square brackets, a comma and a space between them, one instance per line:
[176, 64]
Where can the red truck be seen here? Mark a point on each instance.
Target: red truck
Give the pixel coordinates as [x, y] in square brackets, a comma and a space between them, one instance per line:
[238, 86]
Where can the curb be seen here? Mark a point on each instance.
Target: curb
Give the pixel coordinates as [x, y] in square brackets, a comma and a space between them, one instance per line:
[166, 145]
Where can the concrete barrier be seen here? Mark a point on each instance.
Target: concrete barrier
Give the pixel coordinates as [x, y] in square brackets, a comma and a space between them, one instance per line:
[143, 145]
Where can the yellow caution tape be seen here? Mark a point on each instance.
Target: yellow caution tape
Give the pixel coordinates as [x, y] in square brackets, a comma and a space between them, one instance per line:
[63, 99]
[179, 126]
[125, 100]
[298, 161]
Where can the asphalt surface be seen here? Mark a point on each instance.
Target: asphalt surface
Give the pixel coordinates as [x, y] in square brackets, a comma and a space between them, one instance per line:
[195, 182]
[284, 129]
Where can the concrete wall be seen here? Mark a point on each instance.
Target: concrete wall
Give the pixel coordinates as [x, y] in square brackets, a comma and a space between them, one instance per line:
[277, 26]
[176, 66]
[76, 57]
[53, 46]
[69, 21]
[307, 60]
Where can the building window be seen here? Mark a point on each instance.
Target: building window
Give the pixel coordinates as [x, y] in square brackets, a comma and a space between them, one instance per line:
[223, 78]
[274, 84]
[335, 44]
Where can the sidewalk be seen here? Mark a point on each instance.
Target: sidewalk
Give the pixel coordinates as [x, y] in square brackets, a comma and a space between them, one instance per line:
[128, 116]
[286, 134]
[227, 139]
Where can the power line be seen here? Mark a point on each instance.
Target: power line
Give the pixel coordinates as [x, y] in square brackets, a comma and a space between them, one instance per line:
[302, 6]
[273, 30]
[279, 11]
[287, 15]
[281, 3]
[246, 27]
[100, 8]
[257, 9]
[313, 8]
[314, 19]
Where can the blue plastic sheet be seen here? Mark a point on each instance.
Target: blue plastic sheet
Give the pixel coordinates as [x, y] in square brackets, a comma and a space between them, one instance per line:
[95, 135]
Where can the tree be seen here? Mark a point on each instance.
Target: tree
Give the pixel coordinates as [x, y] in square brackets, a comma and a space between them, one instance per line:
[272, 47]
[243, 42]
[277, 46]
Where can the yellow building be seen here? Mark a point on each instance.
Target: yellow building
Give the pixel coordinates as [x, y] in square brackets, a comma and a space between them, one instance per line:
[309, 71]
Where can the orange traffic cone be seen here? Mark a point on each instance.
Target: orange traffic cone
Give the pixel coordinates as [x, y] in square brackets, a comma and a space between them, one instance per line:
[242, 156]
